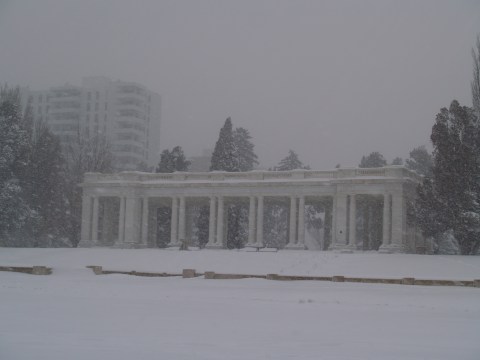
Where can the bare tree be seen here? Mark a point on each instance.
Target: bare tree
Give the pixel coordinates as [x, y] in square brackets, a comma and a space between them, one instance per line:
[85, 154]
[476, 77]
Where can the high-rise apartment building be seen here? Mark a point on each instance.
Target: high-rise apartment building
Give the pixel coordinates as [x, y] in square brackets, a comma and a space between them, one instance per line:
[127, 113]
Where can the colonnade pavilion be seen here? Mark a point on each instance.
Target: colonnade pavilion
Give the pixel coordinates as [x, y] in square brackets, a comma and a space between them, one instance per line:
[122, 210]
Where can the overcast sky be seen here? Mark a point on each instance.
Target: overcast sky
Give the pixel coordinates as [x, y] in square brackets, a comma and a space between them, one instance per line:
[332, 80]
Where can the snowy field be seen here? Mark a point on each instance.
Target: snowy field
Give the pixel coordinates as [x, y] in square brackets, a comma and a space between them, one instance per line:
[73, 314]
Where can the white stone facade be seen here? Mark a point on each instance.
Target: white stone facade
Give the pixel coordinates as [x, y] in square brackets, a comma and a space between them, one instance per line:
[129, 200]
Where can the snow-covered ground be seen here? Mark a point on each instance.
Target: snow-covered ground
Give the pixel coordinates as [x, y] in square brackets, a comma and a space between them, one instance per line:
[73, 314]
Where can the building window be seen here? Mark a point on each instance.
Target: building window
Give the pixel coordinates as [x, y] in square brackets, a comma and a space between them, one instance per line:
[89, 96]
[96, 106]
[96, 118]
[97, 95]
[88, 106]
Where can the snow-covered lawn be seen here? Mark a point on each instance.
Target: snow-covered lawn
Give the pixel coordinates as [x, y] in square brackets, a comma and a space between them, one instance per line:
[73, 314]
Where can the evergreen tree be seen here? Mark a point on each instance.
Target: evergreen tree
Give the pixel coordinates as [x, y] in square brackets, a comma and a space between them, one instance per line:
[450, 199]
[143, 167]
[164, 221]
[233, 152]
[237, 220]
[276, 220]
[420, 161]
[275, 223]
[368, 208]
[14, 152]
[46, 188]
[171, 161]
[179, 160]
[373, 160]
[369, 218]
[397, 161]
[166, 163]
[246, 157]
[428, 210]
[290, 162]
[224, 157]
[202, 224]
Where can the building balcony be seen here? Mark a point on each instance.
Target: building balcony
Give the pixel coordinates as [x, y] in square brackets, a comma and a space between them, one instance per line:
[66, 109]
[127, 100]
[64, 97]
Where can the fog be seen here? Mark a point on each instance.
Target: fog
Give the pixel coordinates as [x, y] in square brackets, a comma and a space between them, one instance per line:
[332, 80]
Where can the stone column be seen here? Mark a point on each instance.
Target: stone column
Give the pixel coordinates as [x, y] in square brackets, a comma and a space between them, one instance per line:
[251, 221]
[181, 221]
[132, 221]
[301, 223]
[399, 223]
[152, 225]
[386, 220]
[339, 235]
[174, 223]
[189, 214]
[121, 222]
[327, 227]
[352, 227]
[219, 242]
[86, 236]
[259, 241]
[108, 223]
[293, 222]
[144, 241]
[333, 229]
[95, 221]
[211, 223]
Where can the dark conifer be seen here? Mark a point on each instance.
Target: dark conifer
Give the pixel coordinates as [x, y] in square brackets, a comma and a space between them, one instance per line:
[14, 159]
[373, 160]
[420, 161]
[224, 157]
[290, 162]
[450, 198]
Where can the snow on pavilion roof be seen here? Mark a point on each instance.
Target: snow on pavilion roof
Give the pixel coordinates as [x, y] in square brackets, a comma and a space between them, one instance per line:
[255, 176]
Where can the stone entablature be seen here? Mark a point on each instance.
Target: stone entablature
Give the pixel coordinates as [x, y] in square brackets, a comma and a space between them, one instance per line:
[395, 172]
[137, 195]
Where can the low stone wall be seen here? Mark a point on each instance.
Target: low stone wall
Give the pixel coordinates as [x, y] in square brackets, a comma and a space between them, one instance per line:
[191, 273]
[98, 270]
[214, 275]
[33, 270]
